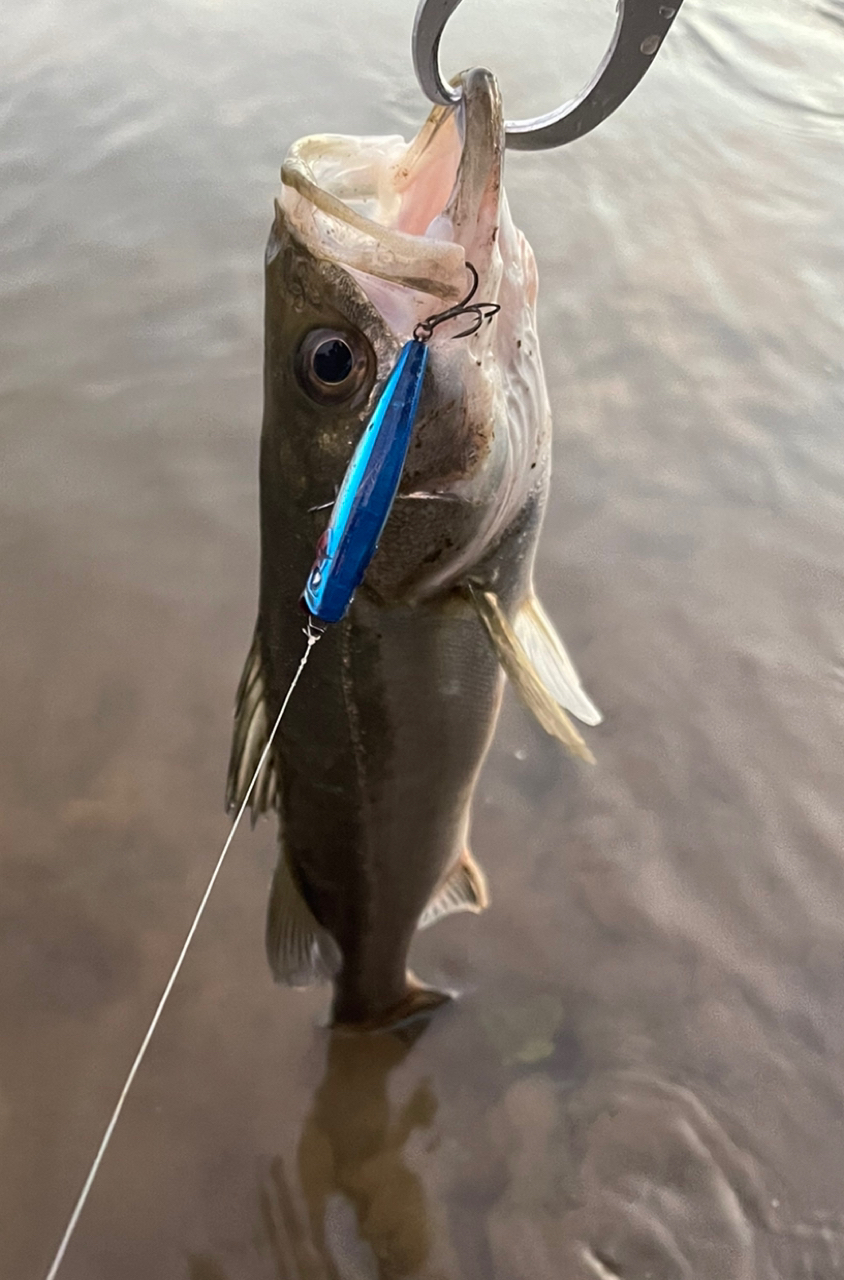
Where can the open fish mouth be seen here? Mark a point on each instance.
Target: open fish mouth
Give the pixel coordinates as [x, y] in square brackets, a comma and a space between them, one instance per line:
[404, 218]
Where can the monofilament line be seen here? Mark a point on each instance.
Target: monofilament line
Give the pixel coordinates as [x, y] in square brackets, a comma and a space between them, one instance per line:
[312, 636]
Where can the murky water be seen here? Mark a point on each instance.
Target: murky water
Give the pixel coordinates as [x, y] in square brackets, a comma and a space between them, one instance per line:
[644, 1078]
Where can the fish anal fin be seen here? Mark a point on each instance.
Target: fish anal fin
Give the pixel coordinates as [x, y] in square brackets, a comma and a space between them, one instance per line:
[251, 727]
[464, 889]
[524, 677]
[300, 951]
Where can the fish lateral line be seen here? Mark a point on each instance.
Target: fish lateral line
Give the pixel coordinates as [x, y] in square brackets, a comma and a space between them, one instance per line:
[369, 487]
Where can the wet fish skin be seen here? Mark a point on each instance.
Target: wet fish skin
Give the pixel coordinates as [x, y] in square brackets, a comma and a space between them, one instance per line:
[376, 760]
[378, 754]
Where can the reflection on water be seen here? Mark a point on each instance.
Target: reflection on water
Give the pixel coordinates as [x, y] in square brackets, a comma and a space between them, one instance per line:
[644, 1076]
[366, 1209]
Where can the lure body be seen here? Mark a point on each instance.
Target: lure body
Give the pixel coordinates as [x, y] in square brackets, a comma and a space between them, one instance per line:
[368, 491]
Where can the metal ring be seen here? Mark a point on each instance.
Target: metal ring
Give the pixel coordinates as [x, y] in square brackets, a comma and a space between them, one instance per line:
[640, 29]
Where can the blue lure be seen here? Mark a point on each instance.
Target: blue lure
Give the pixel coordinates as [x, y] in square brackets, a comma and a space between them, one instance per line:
[368, 490]
[372, 478]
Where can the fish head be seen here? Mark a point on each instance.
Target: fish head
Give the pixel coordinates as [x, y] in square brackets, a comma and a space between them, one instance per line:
[372, 236]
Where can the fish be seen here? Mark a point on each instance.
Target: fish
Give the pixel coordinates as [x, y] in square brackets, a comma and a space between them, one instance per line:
[376, 760]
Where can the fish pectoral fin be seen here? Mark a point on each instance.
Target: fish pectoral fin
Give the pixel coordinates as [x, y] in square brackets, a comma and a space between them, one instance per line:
[540, 685]
[299, 950]
[251, 727]
[551, 662]
[464, 889]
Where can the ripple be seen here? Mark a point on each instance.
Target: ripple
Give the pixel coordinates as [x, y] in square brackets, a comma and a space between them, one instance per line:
[760, 56]
[664, 1190]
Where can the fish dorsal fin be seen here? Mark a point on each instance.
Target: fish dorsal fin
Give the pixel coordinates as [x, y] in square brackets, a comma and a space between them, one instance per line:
[463, 890]
[523, 675]
[251, 726]
[299, 950]
[551, 662]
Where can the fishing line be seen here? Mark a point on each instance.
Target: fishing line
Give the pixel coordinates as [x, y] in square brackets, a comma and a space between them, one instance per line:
[345, 550]
[312, 633]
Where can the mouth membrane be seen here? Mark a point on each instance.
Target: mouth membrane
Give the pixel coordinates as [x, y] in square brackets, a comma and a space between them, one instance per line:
[409, 214]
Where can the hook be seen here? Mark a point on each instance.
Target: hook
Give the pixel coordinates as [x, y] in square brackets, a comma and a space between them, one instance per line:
[480, 310]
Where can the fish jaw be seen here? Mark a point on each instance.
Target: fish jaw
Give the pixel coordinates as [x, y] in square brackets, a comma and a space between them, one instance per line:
[405, 218]
[401, 221]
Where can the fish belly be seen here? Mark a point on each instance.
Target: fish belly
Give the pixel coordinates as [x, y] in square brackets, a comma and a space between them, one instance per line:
[378, 758]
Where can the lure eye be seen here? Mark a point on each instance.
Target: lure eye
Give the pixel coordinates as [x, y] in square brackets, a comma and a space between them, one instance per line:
[334, 366]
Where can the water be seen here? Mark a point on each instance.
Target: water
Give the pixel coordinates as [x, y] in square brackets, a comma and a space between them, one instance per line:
[644, 1078]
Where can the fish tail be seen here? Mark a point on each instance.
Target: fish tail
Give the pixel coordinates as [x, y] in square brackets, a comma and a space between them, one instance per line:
[417, 1004]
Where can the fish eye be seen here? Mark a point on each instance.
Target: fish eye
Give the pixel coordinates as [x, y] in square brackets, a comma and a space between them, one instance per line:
[333, 361]
[334, 365]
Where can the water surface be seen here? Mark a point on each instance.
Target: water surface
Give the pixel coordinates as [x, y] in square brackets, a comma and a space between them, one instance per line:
[644, 1077]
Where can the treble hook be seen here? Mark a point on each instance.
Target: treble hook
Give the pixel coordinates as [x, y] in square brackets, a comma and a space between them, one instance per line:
[640, 29]
[480, 310]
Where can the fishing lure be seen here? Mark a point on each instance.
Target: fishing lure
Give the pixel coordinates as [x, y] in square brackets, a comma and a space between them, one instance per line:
[369, 487]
